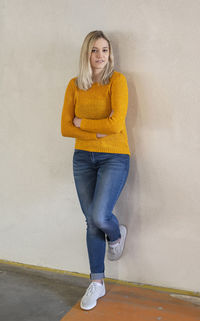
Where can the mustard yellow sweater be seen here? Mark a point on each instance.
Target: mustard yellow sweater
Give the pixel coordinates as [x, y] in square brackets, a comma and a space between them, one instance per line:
[94, 107]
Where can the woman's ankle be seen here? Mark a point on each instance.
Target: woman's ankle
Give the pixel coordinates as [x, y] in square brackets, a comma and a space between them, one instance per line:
[114, 242]
[98, 281]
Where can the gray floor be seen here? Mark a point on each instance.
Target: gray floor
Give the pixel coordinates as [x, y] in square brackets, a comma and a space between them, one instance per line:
[30, 295]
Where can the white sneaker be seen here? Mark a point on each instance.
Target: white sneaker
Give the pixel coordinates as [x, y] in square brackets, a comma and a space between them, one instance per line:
[115, 250]
[94, 291]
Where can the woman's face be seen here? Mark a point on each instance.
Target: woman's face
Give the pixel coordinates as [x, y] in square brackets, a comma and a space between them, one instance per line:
[100, 54]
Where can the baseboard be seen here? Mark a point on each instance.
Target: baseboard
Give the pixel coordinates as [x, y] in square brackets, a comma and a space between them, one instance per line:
[145, 286]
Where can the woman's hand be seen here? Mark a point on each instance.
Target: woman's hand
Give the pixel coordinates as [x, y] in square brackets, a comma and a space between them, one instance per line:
[77, 122]
[100, 135]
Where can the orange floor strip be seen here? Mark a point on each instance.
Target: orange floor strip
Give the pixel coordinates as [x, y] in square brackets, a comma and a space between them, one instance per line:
[125, 303]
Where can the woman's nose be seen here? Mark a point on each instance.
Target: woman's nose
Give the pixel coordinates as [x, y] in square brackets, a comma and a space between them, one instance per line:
[99, 54]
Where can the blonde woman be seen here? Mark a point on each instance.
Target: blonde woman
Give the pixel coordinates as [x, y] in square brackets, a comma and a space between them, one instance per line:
[94, 112]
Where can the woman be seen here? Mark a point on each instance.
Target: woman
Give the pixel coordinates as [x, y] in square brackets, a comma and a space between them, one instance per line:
[94, 112]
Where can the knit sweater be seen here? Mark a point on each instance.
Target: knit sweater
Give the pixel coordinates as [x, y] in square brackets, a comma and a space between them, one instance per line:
[94, 107]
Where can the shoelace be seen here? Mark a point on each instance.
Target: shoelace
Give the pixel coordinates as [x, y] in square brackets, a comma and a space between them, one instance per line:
[113, 250]
[91, 289]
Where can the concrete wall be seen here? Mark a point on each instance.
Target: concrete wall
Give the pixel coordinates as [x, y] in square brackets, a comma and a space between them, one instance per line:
[156, 45]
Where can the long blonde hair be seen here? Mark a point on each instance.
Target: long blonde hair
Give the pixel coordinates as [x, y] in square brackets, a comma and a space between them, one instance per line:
[84, 80]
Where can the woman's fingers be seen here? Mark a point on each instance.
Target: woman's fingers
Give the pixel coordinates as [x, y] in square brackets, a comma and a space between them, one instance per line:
[77, 122]
[100, 135]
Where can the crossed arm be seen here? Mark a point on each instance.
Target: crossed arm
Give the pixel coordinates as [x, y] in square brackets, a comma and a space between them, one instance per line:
[77, 123]
[87, 129]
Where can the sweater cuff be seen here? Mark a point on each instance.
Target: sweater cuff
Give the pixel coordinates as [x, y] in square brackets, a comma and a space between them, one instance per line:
[86, 125]
[83, 124]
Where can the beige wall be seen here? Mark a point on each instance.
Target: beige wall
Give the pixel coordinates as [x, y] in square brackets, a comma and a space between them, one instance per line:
[157, 47]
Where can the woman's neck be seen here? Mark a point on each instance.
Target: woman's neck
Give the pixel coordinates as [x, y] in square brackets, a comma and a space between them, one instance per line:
[96, 76]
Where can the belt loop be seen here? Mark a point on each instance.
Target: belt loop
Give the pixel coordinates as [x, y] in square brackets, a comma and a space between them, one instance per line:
[92, 156]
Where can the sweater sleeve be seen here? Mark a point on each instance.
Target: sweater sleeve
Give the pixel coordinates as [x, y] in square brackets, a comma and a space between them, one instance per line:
[119, 105]
[67, 127]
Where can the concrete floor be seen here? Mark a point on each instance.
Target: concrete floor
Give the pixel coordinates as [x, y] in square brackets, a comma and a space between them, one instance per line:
[33, 295]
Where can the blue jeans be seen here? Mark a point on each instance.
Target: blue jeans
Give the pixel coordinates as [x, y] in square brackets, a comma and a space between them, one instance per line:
[99, 179]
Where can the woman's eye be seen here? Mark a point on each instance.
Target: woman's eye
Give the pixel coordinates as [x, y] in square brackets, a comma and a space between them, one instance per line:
[95, 50]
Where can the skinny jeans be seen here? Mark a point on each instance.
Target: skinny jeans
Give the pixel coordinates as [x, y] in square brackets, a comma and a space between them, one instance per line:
[99, 179]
